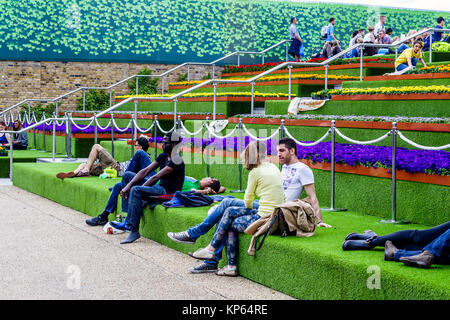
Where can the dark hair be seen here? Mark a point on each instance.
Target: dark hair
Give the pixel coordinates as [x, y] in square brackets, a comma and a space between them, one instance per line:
[215, 185]
[331, 19]
[440, 19]
[418, 42]
[362, 30]
[292, 19]
[289, 143]
[143, 142]
[2, 123]
[355, 33]
[388, 30]
[174, 137]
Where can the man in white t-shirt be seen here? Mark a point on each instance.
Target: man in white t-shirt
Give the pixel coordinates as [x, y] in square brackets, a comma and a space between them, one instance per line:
[297, 177]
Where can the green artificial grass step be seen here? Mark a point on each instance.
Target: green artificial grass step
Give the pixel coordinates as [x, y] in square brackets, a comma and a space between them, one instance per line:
[305, 268]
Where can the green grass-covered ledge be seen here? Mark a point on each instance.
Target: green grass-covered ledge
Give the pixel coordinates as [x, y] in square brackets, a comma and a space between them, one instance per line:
[22, 156]
[409, 108]
[317, 266]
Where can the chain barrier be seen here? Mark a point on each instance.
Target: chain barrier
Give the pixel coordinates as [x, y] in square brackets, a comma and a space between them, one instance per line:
[307, 144]
[99, 126]
[363, 142]
[78, 127]
[119, 129]
[162, 130]
[140, 130]
[211, 131]
[191, 133]
[256, 138]
[400, 134]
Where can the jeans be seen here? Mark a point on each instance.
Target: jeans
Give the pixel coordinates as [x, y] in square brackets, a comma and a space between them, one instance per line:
[214, 218]
[234, 220]
[402, 66]
[439, 247]
[401, 48]
[135, 203]
[412, 240]
[139, 161]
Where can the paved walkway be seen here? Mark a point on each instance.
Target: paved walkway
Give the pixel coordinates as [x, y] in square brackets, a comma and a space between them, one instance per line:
[48, 252]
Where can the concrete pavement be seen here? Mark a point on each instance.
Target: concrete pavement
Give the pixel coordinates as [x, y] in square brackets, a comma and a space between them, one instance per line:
[48, 252]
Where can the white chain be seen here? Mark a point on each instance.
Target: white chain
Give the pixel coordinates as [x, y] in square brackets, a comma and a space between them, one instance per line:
[192, 133]
[307, 144]
[420, 146]
[217, 136]
[117, 127]
[362, 142]
[141, 130]
[259, 139]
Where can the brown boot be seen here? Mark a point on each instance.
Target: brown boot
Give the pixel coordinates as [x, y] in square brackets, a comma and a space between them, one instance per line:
[389, 251]
[63, 175]
[422, 260]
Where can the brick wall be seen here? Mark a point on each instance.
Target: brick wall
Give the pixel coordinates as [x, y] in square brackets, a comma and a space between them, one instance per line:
[21, 80]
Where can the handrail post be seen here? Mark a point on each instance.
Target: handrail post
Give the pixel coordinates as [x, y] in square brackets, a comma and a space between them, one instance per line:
[134, 123]
[34, 133]
[214, 100]
[332, 171]
[287, 56]
[137, 85]
[112, 134]
[95, 128]
[69, 135]
[238, 60]
[396, 53]
[54, 138]
[43, 134]
[213, 71]
[361, 64]
[239, 161]
[282, 134]
[394, 178]
[155, 136]
[262, 58]
[188, 73]
[162, 85]
[110, 97]
[207, 147]
[11, 148]
[252, 104]
[326, 77]
[175, 111]
[290, 81]
[431, 45]
[84, 100]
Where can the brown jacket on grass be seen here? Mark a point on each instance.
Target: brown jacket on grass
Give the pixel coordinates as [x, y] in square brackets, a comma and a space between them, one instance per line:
[298, 214]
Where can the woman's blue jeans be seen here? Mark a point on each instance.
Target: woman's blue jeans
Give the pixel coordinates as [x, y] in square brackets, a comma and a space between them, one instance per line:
[402, 66]
[214, 218]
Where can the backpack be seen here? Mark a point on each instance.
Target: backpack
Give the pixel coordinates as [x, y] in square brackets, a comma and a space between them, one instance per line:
[324, 33]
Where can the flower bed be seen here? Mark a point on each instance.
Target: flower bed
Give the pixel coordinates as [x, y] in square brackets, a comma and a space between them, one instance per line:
[410, 160]
[210, 95]
[395, 92]
[269, 65]
[279, 77]
[442, 68]
[3, 152]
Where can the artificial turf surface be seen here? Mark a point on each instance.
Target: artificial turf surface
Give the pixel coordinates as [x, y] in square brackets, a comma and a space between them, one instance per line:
[305, 268]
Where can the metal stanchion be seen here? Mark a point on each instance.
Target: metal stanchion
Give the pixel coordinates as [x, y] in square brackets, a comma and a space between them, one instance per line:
[137, 85]
[431, 44]
[155, 136]
[287, 49]
[252, 104]
[95, 129]
[175, 111]
[11, 148]
[84, 100]
[207, 148]
[361, 63]
[326, 77]
[162, 85]
[214, 100]
[262, 58]
[290, 81]
[188, 73]
[333, 144]
[69, 127]
[394, 179]
[54, 138]
[282, 129]
[34, 133]
[239, 161]
[43, 135]
[66, 134]
[112, 134]
[110, 97]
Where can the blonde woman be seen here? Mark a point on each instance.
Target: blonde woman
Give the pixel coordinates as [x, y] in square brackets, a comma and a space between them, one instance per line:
[264, 181]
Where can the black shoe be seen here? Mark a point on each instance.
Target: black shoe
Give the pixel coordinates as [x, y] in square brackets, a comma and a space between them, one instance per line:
[100, 220]
[389, 251]
[204, 268]
[181, 237]
[422, 260]
[361, 236]
[356, 245]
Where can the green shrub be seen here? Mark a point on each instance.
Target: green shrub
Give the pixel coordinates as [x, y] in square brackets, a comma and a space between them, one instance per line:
[147, 85]
[94, 100]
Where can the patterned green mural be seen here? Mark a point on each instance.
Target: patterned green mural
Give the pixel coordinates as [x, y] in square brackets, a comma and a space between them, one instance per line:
[172, 31]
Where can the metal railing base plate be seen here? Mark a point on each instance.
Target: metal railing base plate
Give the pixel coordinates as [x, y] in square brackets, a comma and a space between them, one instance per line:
[395, 221]
[333, 209]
